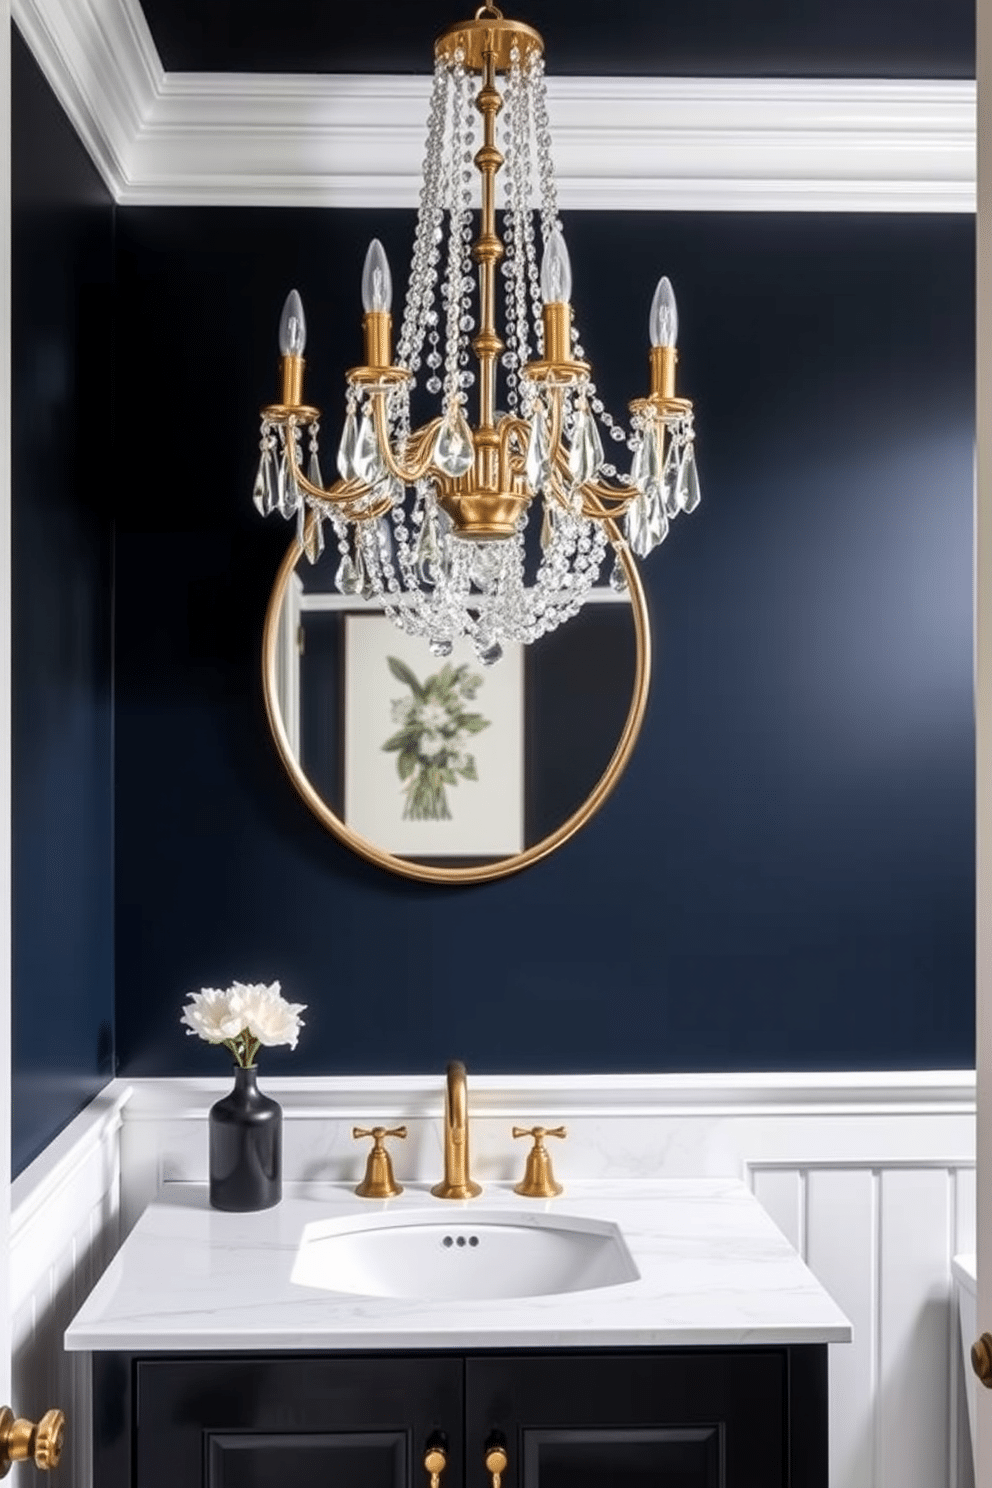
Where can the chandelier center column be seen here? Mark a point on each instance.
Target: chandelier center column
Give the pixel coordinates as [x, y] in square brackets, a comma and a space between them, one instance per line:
[487, 252]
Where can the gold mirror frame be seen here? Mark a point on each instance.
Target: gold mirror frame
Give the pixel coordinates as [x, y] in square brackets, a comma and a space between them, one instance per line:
[486, 873]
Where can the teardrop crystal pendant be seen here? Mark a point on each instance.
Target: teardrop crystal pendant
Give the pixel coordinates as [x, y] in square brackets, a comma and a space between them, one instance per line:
[687, 488]
[594, 445]
[657, 521]
[586, 453]
[260, 493]
[454, 453]
[350, 576]
[384, 541]
[547, 528]
[618, 577]
[313, 471]
[537, 461]
[346, 449]
[313, 536]
[638, 529]
[427, 553]
[290, 494]
[367, 460]
[669, 482]
[638, 465]
[488, 650]
[274, 495]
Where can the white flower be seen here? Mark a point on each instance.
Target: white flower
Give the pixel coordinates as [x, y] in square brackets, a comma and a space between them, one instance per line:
[213, 1015]
[434, 717]
[266, 1014]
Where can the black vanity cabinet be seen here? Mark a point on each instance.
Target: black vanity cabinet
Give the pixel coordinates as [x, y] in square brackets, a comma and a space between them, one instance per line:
[660, 1418]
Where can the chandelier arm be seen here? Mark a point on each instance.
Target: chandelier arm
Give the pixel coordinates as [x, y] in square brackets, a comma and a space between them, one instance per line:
[598, 513]
[422, 440]
[371, 513]
[510, 465]
[620, 497]
[340, 493]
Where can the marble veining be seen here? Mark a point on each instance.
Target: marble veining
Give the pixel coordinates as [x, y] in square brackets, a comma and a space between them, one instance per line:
[713, 1270]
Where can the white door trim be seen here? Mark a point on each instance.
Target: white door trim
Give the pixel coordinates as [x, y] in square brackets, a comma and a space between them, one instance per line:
[5, 707]
[983, 716]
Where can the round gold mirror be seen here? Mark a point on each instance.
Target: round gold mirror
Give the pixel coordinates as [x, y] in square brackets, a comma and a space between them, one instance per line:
[442, 769]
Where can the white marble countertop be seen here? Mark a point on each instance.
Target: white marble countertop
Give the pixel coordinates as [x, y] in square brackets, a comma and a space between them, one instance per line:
[713, 1270]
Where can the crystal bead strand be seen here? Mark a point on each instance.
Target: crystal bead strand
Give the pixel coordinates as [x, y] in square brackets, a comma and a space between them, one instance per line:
[451, 293]
[423, 272]
[531, 264]
[550, 221]
[518, 191]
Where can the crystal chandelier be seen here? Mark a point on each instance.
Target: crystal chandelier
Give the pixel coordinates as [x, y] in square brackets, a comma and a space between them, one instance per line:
[432, 520]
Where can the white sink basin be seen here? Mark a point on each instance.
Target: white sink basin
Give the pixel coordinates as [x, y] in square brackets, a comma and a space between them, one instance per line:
[465, 1256]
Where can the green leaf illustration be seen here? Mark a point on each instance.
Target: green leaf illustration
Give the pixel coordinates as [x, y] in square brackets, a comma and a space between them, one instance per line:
[402, 673]
[473, 723]
[407, 763]
[402, 740]
[468, 770]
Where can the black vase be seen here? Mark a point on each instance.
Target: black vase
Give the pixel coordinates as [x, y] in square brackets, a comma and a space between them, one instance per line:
[245, 1147]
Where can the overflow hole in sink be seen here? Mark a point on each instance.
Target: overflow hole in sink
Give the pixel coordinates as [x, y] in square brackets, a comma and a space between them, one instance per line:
[449, 1241]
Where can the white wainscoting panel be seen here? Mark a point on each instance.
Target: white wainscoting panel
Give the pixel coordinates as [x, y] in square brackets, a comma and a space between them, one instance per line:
[870, 1176]
[64, 1232]
[880, 1236]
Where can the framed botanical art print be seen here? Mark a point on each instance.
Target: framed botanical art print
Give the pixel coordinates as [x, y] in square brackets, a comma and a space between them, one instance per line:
[433, 747]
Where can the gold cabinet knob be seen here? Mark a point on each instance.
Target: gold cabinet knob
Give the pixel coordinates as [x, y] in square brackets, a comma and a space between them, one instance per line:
[23, 1441]
[435, 1459]
[538, 1181]
[981, 1359]
[378, 1182]
[496, 1459]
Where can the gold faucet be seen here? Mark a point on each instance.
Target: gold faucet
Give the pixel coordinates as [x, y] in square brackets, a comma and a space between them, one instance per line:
[457, 1182]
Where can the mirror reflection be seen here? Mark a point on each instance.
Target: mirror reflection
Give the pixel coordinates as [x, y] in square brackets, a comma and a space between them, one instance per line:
[436, 766]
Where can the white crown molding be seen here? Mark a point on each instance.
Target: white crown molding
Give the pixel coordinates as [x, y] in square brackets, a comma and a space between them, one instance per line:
[654, 144]
[102, 64]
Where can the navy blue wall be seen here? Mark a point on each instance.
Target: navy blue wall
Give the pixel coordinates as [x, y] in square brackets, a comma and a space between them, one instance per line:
[63, 477]
[784, 877]
[821, 38]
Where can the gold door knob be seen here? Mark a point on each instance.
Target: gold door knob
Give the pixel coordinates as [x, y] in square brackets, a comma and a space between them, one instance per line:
[378, 1182]
[496, 1460]
[23, 1441]
[538, 1181]
[981, 1359]
[435, 1460]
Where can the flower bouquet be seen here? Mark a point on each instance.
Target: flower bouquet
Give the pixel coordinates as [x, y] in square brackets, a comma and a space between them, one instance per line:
[245, 1126]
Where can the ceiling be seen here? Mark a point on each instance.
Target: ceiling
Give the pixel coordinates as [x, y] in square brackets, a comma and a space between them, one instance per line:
[733, 38]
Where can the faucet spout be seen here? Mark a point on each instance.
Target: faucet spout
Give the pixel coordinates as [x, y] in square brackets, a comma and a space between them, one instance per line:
[457, 1183]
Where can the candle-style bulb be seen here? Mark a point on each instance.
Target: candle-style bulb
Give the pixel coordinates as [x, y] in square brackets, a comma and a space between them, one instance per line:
[377, 282]
[292, 326]
[663, 323]
[556, 272]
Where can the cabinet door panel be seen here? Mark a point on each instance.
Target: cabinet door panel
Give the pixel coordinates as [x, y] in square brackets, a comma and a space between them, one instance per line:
[241, 1422]
[688, 1457]
[306, 1460]
[672, 1419]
